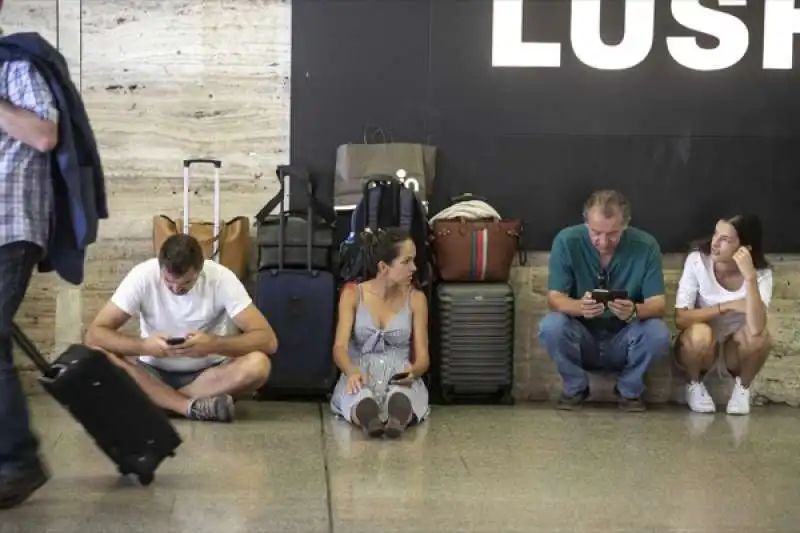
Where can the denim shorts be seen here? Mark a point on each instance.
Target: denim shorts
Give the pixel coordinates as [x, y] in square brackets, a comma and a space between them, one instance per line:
[176, 380]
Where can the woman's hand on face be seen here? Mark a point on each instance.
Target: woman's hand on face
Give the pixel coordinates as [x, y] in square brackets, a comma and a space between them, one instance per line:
[744, 261]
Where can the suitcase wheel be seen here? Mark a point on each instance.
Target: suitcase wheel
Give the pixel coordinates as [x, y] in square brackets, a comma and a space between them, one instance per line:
[507, 398]
[143, 467]
[145, 470]
[447, 396]
[145, 478]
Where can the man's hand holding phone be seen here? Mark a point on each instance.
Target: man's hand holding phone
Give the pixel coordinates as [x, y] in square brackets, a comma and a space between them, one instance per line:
[196, 344]
[591, 308]
[156, 345]
[622, 309]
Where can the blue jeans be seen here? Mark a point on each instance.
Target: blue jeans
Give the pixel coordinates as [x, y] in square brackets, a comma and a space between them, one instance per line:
[574, 349]
[18, 446]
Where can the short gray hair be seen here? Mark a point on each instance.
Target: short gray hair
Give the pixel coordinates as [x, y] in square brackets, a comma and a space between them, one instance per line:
[610, 202]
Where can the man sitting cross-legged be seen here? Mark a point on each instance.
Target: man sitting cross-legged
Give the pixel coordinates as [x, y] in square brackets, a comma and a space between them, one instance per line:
[182, 295]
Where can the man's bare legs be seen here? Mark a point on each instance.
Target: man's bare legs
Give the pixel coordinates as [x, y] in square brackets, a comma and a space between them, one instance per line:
[209, 396]
[162, 394]
[240, 375]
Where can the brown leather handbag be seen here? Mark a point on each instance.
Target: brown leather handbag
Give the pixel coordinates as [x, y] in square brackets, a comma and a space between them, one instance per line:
[476, 250]
[234, 241]
[229, 245]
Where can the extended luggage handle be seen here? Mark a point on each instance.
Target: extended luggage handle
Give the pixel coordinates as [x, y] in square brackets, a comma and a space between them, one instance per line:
[326, 212]
[216, 232]
[48, 371]
[282, 172]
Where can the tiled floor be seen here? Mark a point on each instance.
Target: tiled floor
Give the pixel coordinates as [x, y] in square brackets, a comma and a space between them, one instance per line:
[292, 468]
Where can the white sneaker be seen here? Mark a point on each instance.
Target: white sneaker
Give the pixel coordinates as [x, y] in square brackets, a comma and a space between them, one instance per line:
[739, 404]
[698, 398]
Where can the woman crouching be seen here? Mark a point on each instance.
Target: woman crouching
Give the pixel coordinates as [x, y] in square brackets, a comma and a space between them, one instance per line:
[723, 296]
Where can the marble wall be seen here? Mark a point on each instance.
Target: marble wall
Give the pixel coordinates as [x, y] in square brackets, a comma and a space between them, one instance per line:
[162, 81]
[170, 79]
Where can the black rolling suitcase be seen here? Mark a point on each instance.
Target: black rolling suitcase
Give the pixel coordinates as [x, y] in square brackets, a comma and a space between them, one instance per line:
[475, 341]
[300, 305]
[124, 423]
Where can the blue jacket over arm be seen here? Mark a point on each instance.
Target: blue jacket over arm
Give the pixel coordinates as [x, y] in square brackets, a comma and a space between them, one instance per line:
[77, 172]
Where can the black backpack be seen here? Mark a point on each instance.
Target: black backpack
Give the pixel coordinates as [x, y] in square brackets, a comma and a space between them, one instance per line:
[386, 202]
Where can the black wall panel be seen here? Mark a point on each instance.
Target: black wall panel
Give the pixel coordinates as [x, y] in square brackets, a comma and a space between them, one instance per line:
[685, 146]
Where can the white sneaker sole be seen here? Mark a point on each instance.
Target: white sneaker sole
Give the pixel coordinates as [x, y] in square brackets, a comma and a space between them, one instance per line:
[703, 410]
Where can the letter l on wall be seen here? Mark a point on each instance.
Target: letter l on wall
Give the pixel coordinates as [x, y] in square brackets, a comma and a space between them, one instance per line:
[508, 50]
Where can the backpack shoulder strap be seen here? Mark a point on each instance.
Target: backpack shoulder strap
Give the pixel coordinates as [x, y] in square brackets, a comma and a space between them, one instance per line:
[407, 209]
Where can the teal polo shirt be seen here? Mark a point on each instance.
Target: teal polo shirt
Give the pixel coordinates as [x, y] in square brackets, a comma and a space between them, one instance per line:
[635, 266]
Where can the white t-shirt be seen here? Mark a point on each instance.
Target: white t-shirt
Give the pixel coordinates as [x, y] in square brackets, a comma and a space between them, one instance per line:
[216, 297]
[699, 288]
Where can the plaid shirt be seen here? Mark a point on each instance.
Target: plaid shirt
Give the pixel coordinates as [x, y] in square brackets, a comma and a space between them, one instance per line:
[26, 187]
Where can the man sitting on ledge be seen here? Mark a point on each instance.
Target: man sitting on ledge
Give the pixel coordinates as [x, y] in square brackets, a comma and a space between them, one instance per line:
[181, 296]
[581, 333]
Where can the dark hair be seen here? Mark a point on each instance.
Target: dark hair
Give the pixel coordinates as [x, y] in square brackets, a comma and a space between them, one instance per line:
[181, 253]
[748, 228]
[382, 245]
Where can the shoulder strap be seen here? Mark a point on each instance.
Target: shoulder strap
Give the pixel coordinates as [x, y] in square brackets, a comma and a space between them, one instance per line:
[373, 199]
[407, 209]
[318, 208]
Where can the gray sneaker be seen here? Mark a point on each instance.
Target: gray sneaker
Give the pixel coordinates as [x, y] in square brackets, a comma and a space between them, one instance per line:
[216, 408]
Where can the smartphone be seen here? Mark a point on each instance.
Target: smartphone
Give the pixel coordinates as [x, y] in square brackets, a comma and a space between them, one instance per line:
[398, 377]
[172, 341]
[604, 296]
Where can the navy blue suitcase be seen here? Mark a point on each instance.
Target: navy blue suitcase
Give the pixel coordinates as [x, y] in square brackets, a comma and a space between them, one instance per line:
[300, 305]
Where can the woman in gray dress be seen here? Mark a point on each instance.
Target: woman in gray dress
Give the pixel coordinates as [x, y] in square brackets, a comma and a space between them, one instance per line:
[381, 342]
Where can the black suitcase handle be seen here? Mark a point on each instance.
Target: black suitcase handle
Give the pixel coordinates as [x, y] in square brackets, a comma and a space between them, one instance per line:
[33, 353]
[326, 212]
[189, 162]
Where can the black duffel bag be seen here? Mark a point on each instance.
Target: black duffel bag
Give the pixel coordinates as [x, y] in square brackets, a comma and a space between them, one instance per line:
[268, 228]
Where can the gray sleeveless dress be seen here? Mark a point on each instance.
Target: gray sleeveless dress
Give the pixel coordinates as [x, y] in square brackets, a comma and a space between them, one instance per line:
[379, 354]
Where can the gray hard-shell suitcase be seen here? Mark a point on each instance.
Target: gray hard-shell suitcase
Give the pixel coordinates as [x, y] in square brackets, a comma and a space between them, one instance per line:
[476, 340]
